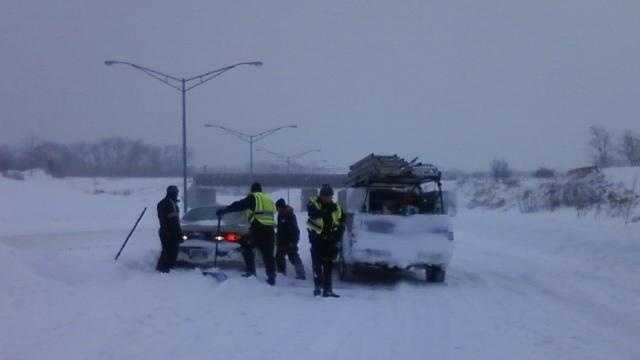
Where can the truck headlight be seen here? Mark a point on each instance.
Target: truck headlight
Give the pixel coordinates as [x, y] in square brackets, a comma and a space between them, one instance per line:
[185, 237]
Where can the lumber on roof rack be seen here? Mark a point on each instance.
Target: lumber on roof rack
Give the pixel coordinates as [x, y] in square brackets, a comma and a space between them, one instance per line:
[391, 169]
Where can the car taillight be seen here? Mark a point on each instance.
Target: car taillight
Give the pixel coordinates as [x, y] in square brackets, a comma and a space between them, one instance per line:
[231, 237]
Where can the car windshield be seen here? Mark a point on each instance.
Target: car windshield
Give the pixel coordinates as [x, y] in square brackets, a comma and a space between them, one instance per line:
[209, 213]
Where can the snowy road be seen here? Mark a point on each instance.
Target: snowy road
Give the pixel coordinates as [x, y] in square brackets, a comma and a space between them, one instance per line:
[516, 289]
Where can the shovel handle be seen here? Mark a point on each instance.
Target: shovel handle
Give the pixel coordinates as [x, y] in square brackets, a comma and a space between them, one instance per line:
[215, 256]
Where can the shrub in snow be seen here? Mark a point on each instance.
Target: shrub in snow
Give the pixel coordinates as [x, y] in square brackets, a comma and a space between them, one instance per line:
[13, 174]
[584, 193]
[622, 203]
[528, 203]
[544, 173]
[486, 193]
[511, 182]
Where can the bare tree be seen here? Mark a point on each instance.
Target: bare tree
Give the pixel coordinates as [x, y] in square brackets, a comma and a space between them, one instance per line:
[629, 147]
[600, 144]
[500, 169]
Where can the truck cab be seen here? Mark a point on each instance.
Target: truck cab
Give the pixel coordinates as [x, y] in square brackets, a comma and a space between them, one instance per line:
[396, 219]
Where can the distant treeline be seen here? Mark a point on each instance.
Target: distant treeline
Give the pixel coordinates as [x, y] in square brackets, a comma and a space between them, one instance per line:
[114, 156]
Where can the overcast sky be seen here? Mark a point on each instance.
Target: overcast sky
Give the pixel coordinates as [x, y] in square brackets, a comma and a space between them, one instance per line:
[454, 82]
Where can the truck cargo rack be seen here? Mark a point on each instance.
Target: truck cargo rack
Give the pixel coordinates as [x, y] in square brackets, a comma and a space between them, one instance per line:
[391, 170]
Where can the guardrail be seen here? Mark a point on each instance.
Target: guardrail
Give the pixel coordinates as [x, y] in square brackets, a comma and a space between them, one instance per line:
[271, 180]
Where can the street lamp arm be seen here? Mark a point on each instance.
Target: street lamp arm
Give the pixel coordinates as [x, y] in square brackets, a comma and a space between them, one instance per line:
[164, 80]
[242, 136]
[279, 156]
[147, 70]
[202, 81]
[203, 78]
[297, 156]
[264, 134]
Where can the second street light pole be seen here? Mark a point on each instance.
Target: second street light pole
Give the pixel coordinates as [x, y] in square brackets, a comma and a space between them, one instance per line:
[287, 159]
[183, 85]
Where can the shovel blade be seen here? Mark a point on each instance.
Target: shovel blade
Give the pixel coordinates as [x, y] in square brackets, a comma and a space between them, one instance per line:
[218, 275]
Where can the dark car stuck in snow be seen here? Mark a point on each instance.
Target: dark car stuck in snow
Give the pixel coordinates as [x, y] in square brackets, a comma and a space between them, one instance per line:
[200, 233]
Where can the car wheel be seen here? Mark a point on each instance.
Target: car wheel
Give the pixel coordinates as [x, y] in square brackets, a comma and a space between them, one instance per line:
[435, 274]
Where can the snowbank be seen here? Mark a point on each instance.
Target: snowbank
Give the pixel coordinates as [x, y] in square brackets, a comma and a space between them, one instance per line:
[614, 192]
[538, 286]
[42, 204]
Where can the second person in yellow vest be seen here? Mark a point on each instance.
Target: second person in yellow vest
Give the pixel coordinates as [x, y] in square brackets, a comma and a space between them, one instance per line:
[326, 225]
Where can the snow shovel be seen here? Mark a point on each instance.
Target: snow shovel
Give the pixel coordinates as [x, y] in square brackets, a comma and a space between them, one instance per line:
[130, 233]
[218, 275]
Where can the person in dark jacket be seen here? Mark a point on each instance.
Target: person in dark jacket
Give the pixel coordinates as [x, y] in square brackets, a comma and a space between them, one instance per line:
[260, 212]
[287, 239]
[170, 231]
[326, 226]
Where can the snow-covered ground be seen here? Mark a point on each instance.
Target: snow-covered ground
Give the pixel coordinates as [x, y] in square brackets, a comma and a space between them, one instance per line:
[540, 286]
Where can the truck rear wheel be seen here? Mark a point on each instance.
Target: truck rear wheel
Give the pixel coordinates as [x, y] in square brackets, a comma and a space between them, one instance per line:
[344, 270]
[434, 274]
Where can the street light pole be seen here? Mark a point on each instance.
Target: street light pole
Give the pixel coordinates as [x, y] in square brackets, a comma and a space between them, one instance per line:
[183, 85]
[184, 145]
[250, 138]
[251, 156]
[287, 159]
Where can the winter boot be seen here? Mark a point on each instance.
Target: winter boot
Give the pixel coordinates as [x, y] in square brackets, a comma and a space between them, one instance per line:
[316, 291]
[271, 280]
[248, 274]
[329, 293]
[300, 274]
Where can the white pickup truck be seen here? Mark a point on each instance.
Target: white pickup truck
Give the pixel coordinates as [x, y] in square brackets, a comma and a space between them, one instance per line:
[396, 223]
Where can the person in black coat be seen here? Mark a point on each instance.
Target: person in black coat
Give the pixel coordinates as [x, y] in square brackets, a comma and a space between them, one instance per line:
[287, 238]
[170, 232]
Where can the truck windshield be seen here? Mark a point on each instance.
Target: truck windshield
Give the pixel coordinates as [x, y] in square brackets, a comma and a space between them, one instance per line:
[394, 202]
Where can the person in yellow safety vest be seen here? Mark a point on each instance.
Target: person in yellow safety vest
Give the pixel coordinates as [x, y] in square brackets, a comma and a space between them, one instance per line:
[260, 211]
[326, 227]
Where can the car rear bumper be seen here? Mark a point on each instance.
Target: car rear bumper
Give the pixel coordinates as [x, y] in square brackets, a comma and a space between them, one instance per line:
[199, 252]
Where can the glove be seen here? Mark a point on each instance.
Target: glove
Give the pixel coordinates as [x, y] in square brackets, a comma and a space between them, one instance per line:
[219, 213]
[331, 207]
